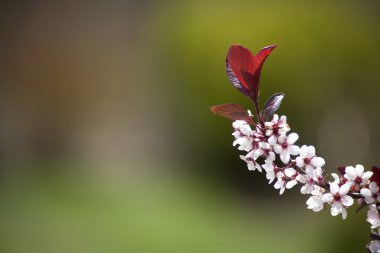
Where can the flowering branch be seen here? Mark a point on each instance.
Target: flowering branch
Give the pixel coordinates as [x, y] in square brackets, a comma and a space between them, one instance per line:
[269, 147]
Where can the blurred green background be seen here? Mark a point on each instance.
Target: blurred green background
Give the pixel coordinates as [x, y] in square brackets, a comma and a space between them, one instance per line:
[107, 143]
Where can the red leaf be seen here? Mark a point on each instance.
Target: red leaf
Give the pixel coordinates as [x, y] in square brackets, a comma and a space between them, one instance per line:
[243, 68]
[376, 175]
[233, 112]
[239, 59]
[342, 170]
[259, 61]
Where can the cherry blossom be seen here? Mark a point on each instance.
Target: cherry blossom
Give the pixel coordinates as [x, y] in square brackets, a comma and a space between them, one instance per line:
[374, 246]
[308, 160]
[264, 149]
[371, 193]
[315, 202]
[276, 128]
[310, 180]
[251, 163]
[357, 176]
[373, 216]
[286, 180]
[286, 147]
[338, 199]
[269, 167]
[242, 128]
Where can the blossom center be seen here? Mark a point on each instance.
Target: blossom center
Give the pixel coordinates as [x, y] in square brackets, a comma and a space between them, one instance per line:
[358, 180]
[337, 197]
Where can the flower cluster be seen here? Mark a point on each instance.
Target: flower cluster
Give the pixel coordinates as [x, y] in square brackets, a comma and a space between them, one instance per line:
[270, 147]
[289, 165]
[273, 150]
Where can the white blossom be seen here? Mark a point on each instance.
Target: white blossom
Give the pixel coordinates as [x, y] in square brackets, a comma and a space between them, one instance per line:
[286, 180]
[245, 143]
[285, 147]
[371, 193]
[357, 176]
[336, 178]
[338, 199]
[264, 149]
[373, 216]
[242, 127]
[315, 202]
[310, 180]
[269, 167]
[252, 164]
[276, 128]
[308, 160]
[374, 246]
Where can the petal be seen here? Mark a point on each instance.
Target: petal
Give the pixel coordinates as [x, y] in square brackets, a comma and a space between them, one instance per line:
[283, 119]
[311, 151]
[334, 188]
[347, 201]
[344, 189]
[318, 172]
[350, 172]
[327, 197]
[336, 177]
[301, 179]
[258, 167]
[294, 150]
[251, 166]
[366, 192]
[277, 148]
[367, 175]
[289, 172]
[292, 138]
[285, 156]
[373, 187]
[271, 156]
[281, 139]
[257, 153]
[291, 183]
[335, 210]
[303, 151]
[272, 140]
[359, 169]
[309, 170]
[344, 214]
[300, 161]
[318, 162]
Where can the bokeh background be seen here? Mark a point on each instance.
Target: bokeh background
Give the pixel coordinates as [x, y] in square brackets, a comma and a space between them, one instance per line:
[107, 143]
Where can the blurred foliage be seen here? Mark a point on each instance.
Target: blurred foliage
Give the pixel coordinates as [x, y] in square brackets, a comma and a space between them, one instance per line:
[147, 215]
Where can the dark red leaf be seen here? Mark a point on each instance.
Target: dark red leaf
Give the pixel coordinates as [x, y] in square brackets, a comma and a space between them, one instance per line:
[376, 175]
[243, 68]
[342, 170]
[272, 104]
[259, 61]
[233, 112]
[239, 59]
